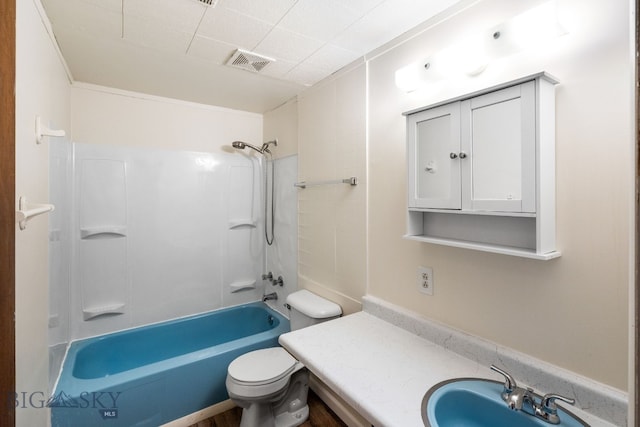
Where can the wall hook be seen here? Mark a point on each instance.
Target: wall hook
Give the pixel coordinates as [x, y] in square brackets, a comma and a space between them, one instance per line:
[42, 131]
[26, 211]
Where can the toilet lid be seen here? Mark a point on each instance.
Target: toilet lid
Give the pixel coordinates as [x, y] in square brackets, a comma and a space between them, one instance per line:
[262, 366]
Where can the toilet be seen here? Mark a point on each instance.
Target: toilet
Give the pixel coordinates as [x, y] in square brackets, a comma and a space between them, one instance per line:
[271, 385]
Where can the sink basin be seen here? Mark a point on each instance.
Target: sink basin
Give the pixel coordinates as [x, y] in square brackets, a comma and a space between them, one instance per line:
[476, 402]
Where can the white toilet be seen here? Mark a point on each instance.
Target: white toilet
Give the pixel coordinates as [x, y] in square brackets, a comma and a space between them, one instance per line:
[271, 385]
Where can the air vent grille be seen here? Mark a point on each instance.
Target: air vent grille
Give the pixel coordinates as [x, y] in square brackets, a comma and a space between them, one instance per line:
[249, 61]
[211, 3]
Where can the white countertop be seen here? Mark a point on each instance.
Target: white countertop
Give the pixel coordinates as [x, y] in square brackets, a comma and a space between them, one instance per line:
[381, 370]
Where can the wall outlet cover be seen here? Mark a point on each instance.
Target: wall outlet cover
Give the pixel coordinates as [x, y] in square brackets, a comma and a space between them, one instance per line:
[425, 280]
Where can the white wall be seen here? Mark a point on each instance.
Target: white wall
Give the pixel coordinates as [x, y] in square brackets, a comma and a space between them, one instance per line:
[572, 311]
[42, 88]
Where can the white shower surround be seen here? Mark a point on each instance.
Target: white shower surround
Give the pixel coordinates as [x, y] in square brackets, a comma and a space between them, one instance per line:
[179, 254]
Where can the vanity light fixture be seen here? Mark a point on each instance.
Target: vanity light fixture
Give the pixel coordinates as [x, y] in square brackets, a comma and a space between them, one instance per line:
[534, 28]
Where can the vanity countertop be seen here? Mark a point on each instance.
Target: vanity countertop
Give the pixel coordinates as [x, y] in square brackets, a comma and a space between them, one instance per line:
[381, 370]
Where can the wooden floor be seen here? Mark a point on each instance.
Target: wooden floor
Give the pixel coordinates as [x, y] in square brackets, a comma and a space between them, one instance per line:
[319, 416]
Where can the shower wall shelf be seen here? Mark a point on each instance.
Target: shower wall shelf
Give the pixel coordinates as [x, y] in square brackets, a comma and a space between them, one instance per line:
[238, 223]
[93, 312]
[27, 211]
[104, 231]
[42, 131]
[241, 286]
[304, 184]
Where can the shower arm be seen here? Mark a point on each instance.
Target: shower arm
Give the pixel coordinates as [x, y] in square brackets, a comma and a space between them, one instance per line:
[241, 145]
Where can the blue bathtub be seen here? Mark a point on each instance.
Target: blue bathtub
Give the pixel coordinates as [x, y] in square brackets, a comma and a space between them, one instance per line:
[154, 374]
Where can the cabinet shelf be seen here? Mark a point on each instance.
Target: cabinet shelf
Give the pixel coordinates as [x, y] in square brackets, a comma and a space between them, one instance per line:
[496, 249]
[468, 212]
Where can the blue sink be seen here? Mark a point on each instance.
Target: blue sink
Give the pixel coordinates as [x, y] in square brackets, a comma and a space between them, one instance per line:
[475, 402]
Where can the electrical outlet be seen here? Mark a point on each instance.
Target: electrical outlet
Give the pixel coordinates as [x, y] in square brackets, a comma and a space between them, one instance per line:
[425, 280]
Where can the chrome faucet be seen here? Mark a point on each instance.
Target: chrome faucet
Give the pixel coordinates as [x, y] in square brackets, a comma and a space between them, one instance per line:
[271, 296]
[526, 400]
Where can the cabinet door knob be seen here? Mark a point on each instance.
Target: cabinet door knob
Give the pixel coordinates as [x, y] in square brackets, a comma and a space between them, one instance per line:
[463, 155]
[453, 156]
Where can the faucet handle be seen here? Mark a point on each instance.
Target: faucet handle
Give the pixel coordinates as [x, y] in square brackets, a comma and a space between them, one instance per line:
[549, 402]
[549, 409]
[509, 382]
[267, 276]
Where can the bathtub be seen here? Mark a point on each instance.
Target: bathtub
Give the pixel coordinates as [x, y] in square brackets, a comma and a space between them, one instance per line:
[150, 375]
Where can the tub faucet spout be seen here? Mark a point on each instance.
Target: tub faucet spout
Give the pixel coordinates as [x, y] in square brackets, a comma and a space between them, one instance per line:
[271, 296]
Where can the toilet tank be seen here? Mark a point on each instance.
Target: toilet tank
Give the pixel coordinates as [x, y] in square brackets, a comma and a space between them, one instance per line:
[307, 308]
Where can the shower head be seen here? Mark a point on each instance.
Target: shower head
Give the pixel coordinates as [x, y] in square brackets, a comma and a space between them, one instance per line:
[240, 145]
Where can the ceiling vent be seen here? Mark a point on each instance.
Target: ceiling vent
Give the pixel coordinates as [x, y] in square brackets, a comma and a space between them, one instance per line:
[249, 61]
[211, 3]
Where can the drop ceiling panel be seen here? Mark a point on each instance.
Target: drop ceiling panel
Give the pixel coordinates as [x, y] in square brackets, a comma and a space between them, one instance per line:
[233, 28]
[270, 11]
[111, 5]
[181, 15]
[330, 58]
[361, 7]
[151, 34]
[279, 69]
[178, 48]
[87, 18]
[211, 50]
[306, 75]
[287, 45]
[319, 20]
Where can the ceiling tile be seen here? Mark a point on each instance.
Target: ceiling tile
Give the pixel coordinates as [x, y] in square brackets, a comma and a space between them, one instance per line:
[233, 28]
[360, 7]
[387, 21]
[211, 50]
[270, 11]
[330, 58]
[87, 18]
[306, 75]
[176, 15]
[178, 48]
[112, 5]
[287, 45]
[278, 69]
[320, 20]
[149, 33]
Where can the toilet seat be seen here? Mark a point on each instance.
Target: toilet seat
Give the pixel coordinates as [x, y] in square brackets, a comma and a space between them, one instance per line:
[261, 367]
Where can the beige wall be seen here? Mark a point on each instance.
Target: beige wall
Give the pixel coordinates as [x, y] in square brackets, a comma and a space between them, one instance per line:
[110, 116]
[332, 218]
[573, 311]
[42, 88]
[282, 123]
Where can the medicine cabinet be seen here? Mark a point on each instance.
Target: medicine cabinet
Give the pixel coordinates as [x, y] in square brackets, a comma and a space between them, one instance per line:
[481, 170]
